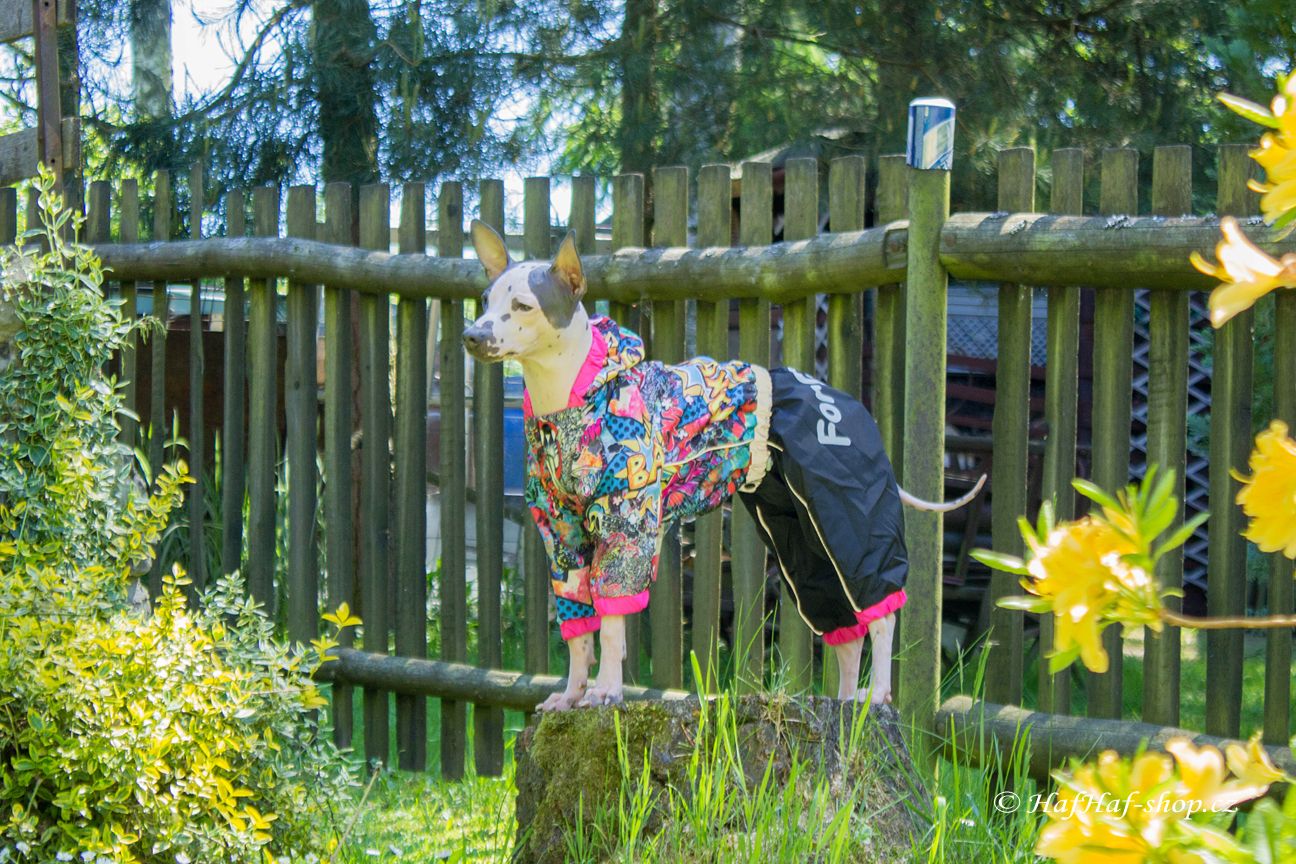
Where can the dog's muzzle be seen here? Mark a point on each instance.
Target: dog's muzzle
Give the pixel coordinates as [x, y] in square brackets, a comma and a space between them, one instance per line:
[478, 342]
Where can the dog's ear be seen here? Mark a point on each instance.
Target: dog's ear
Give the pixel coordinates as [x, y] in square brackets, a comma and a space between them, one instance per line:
[567, 266]
[490, 249]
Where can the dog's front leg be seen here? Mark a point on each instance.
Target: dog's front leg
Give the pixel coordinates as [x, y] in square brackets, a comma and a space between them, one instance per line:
[607, 688]
[881, 632]
[580, 658]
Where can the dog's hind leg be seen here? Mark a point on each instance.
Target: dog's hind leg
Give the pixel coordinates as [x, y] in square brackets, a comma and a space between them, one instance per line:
[581, 657]
[882, 632]
[848, 667]
[607, 687]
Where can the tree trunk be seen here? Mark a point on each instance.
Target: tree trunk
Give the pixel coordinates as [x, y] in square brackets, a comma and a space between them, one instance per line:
[345, 37]
[150, 22]
[637, 136]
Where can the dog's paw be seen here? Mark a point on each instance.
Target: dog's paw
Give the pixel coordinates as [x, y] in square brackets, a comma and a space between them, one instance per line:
[597, 696]
[562, 701]
[874, 696]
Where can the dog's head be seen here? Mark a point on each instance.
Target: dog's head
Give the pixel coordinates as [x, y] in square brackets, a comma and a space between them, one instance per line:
[527, 307]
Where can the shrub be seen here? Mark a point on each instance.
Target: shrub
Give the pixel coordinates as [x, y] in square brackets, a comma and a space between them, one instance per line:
[184, 735]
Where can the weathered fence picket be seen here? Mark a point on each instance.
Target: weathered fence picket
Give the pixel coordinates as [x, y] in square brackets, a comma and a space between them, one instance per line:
[1278, 648]
[1167, 430]
[197, 492]
[157, 425]
[128, 232]
[1112, 404]
[301, 407]
[263, 418]
[1061, 385]
[234, 410]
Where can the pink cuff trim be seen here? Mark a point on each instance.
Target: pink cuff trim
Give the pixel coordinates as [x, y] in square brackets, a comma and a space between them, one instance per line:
[881, 609]
[573, 627]
[621, 605]
[593, 364]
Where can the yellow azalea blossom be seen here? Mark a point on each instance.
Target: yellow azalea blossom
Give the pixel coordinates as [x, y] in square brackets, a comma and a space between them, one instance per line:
[1277, 155]
[1203, 778]
[1080, 571]
[1268, 496]
[1251, 764]
[1245, 271]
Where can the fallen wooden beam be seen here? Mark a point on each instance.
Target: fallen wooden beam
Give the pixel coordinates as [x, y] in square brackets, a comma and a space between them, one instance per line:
[973, 730]
[457, 681]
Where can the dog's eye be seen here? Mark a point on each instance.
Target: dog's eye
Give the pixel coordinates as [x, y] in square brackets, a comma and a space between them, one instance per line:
[519, 306]
[485, 299]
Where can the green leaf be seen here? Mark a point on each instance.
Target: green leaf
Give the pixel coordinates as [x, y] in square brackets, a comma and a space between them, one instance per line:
[1094, 493]
[1024, 603]
[1180, 536]
[1000, 561]
[1250, 110]
[1059, 660]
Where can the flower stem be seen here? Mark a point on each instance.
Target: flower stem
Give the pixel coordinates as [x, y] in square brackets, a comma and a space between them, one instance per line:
[1236, 622]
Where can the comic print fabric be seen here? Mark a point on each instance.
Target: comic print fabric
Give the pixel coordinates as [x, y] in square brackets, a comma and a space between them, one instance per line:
[640, 445]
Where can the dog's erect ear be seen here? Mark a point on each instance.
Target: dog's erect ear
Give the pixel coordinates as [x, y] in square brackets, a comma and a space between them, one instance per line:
[490, 249]
[567, 266]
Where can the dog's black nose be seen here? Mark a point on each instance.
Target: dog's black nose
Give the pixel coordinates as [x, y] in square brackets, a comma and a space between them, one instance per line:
[473, 338]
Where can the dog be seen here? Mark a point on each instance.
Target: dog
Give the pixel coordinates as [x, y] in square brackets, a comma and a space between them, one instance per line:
[619, 447]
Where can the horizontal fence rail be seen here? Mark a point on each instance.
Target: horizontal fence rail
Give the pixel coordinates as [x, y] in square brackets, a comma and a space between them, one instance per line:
[349, 413]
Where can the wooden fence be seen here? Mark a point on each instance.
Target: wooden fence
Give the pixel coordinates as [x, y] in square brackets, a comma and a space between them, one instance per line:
[377, 560]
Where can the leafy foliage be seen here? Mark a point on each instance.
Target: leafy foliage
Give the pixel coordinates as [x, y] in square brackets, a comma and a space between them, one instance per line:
[181, 735]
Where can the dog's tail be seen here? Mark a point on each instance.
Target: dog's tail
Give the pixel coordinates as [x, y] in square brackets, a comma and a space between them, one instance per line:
[941, 507]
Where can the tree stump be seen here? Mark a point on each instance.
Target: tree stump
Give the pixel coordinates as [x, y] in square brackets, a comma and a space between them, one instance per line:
[569, 767]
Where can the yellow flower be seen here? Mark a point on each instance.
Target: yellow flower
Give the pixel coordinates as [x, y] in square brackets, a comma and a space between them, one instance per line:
[1269, 495]
[1277, 155]
[1251, 764]
[1246, 273]
[1202, 778]
[1081, 572]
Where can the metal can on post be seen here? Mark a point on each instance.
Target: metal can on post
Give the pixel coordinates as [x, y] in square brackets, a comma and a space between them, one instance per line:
[931, 134]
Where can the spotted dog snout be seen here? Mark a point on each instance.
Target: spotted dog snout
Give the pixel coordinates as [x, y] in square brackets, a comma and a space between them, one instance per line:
[479, 340]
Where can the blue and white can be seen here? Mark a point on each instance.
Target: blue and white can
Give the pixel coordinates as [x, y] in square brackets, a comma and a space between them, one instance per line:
[931, 134]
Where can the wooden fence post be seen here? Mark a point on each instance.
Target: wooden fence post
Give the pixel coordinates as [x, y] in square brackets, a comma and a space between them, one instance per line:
[301, 406]
[1278, 648]
[162, 207]
[755, 228]
[375, 488]
[1011, 433]
[454, 477]
[411, 475]
[263, 418]
[535, 559]
[339, 220]
[846, 198]
[670, 228]
[234, 387]
[1167, 430]
[924, 448]
[714, 226]
[889, 324]
[488, 459]
[1230, 445]
[800, 222]
[197, 495]
[1112, 371]
[128, 232]
[1061, 382]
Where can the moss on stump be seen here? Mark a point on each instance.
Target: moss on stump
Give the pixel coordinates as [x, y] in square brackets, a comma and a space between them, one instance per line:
[570, 771]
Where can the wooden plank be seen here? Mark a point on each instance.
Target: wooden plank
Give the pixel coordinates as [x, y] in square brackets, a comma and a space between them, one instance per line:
[583, 213]
[755, 228]
[339, 223]
[15, 20]
[234, 384]
[889, 321]
[1167, 431]
[1230, 444]
[670, 228]
[1011, 431]
[454, 597]
[1062, 372]
[263, 421]
[627, 229]
[8, 216]
[48, 97]
[301, 406]
[488, 461]
[800, 222]
[847, 177]
[98, 213]
[163, 205]
[375, 485]
[128, 232]
[196, 495]
[924, 435]
[538, 585]
[1113, 368]
[1278, 647]
[411, 474]
[714, 227]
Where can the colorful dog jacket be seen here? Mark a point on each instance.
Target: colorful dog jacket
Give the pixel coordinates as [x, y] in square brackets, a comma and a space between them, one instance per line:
[642, 443]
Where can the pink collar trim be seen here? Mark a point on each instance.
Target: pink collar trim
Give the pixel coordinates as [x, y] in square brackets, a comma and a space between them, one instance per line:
[594, 362]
